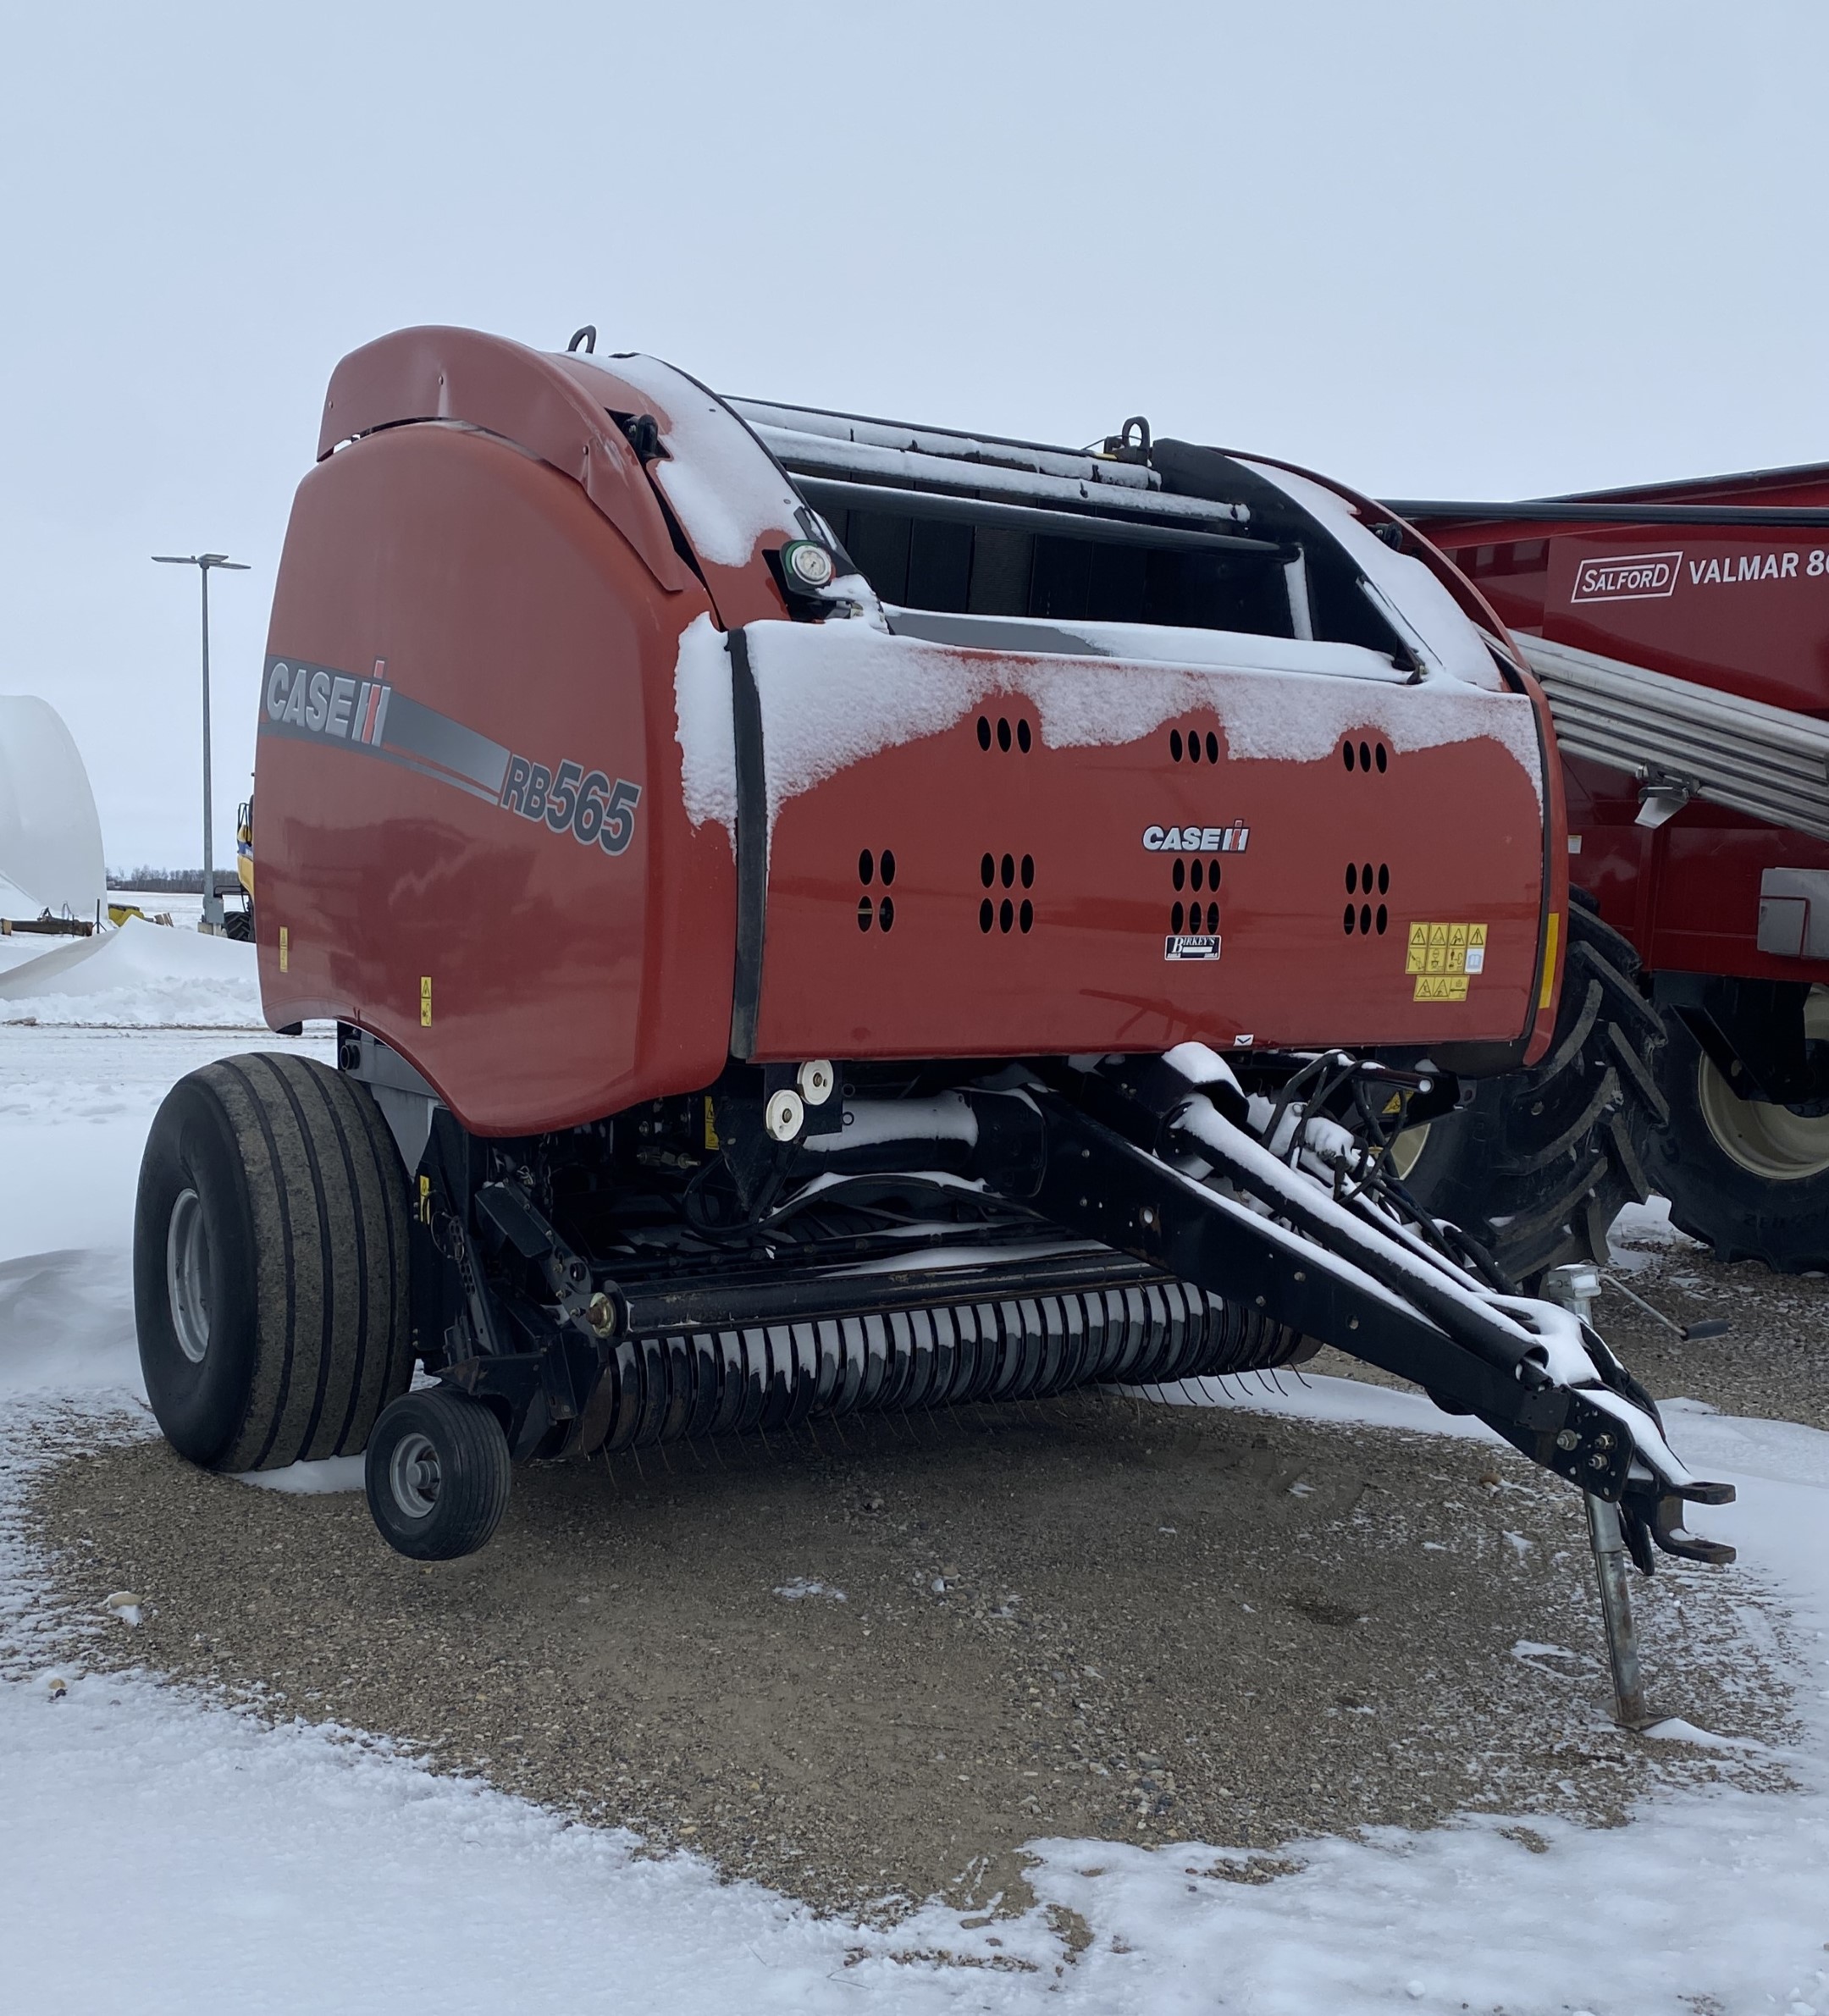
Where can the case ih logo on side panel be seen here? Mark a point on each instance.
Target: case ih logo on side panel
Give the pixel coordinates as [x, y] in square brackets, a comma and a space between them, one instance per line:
[1627, 577]
[1198, 840]
[316, 703]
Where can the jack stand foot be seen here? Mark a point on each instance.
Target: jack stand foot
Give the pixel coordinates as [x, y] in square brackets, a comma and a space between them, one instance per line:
[1576, 1287]
[1616, 1610]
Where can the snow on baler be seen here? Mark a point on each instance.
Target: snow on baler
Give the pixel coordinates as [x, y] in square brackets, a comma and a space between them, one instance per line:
[824, 915]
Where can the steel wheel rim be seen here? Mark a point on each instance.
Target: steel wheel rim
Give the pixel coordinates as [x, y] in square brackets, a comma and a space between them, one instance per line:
[187, 1275]
[1766, 1140]
[413, 1475]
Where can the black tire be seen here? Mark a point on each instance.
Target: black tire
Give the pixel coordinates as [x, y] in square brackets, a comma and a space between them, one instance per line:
[1541, 1162]
[239, 925]
[273, 1306]
[437, 1474]
[1739, 1174]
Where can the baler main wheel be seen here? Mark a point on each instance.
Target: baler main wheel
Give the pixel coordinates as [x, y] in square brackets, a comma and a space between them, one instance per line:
[1540, 1163]
[1749, 1177]
[270, 1264]
[437, 1474]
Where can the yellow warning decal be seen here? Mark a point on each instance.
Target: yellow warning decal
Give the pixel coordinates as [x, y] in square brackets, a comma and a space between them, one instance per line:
[425, 1001]
[1551, 928]
[285, 948]
[1446, 953]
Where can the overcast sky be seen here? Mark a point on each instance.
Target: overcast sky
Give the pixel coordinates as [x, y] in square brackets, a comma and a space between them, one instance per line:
[1469, 249]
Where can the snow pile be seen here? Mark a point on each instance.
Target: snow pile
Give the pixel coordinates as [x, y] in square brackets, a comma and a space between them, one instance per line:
[705, 727]
[1642, 1232]
[66, 1326]
[324, 1478]
[142, 976]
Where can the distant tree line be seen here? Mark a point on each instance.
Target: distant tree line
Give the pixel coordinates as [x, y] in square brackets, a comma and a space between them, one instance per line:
[169, 882]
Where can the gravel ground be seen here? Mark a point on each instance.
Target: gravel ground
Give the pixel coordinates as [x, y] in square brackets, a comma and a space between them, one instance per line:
[1775, 1361]
[869, 1668]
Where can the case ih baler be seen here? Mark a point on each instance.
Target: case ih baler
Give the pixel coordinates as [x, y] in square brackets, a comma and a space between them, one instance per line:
[822, 914]
[1682, 632]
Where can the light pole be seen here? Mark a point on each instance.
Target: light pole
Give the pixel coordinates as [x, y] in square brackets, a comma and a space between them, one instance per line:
[213, 910]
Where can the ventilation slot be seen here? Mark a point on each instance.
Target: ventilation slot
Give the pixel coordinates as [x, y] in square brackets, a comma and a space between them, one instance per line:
[1362, 919]
[879, 911]
[1194, 920]
[1004, 734]
[1193, 747]
[1006, 871]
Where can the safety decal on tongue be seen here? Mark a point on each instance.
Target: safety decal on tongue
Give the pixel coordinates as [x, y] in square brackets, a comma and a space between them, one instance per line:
[316, 703]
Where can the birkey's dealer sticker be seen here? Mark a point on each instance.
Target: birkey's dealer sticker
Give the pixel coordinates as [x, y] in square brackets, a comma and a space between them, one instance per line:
[1190, 947]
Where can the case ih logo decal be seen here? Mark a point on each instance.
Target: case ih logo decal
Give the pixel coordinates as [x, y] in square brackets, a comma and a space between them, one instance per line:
[320, 702]
[1197, 840]
[1629, 577]
[316, 703]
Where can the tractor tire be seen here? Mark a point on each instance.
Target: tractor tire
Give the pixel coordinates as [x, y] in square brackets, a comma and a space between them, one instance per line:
[1541, 1162]
[1749, 1178]
[270, 1264]
[437, 1474]
[239, 924]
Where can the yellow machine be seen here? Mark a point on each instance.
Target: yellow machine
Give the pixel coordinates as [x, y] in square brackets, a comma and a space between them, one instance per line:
[240, 923]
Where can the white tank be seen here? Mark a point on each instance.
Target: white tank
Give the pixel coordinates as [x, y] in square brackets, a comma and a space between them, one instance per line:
[50, 837]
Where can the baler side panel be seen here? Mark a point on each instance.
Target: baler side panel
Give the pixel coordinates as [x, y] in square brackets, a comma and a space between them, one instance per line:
[1453, 834]
[535, 978]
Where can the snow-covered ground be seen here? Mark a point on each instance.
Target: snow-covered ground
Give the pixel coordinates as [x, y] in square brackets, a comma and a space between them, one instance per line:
[160, 1851]
[143, 975]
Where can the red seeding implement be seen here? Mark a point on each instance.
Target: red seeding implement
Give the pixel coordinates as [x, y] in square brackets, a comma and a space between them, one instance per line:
[824, 915]
[1681, 634]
